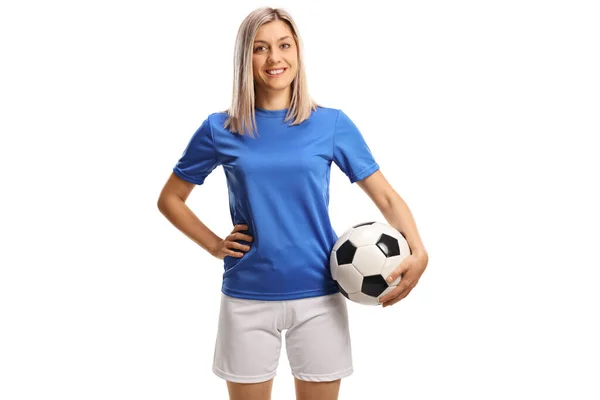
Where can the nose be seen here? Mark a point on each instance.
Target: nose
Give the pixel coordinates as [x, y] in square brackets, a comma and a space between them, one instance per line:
[273, 56]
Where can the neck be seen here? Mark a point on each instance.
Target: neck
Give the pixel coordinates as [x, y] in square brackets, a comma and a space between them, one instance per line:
[273, 100]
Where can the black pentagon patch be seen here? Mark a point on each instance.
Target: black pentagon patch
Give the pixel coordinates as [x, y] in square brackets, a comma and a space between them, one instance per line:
[345, 254]
[363, 224]
[388, 245]
[373, 285]
[342, 290]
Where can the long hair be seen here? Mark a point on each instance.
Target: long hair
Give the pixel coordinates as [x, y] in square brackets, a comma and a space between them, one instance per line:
[241, 117]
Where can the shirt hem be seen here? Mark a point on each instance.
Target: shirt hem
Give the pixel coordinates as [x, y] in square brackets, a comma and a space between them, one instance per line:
[365, 173]
[187, 178]
[277, 296]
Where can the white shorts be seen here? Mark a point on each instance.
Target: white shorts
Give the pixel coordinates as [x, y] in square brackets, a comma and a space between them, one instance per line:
[249, 339]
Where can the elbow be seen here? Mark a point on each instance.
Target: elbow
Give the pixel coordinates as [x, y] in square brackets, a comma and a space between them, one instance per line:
[168, 200]
[160, 204]
[173, 194]
[163, 202]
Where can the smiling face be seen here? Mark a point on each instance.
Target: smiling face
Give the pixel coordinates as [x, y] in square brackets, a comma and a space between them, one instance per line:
[274, 58]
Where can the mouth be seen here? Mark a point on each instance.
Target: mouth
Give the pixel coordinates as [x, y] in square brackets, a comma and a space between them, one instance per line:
[275, 72]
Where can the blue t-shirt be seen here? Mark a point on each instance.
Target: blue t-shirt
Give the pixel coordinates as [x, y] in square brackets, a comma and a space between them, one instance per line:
[278, 185]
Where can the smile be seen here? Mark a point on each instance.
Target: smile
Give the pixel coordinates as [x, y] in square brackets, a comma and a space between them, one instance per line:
[276, 72]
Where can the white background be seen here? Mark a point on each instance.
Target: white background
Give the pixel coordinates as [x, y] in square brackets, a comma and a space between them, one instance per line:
[481, 114]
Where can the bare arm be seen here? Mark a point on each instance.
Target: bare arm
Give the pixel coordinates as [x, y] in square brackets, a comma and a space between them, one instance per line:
[397, 214]
[171, 204]
[394, 209]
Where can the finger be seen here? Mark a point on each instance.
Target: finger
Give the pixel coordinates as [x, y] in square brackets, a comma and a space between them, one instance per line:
[236, 245]
[242, 236]
[239, 236]
[389, 300]
[393, 301]
[403, 286]
[400, 296]
[399, 271]
[407, 290]
[234, 253]
[391, 295]
[240, 227]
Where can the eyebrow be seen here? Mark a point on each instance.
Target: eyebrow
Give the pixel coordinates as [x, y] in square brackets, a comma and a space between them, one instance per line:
[280, 39]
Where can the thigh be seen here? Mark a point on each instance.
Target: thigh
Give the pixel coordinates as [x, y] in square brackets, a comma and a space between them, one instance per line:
[318, 341]
[317, 390]
[250, 391]
[248, 341]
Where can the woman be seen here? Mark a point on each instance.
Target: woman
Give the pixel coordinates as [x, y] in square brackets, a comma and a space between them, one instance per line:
[276, 146]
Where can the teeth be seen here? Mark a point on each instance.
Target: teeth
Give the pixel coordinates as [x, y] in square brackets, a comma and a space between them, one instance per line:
[275, 71]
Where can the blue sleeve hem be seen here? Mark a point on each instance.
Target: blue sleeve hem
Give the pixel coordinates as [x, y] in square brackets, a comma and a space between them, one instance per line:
[185, 177]
[364, 173]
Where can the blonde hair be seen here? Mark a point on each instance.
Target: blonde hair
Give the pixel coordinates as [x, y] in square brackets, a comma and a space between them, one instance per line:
[241, 117]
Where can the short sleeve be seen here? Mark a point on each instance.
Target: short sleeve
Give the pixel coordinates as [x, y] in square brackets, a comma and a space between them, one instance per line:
[199, 158]
[350, 151]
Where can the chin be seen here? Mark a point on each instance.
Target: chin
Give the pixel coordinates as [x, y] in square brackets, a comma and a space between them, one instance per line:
[279, 86]
[282, 85]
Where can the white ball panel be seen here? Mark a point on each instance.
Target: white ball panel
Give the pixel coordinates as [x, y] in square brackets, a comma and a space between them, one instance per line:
[363, 299]
[391, 231]
[333, 267]
[365, 235]
[390, 266]
[349, 278]
[388, 230]
[386, 291]
[342, 239]
[404, 247]
[369, 260]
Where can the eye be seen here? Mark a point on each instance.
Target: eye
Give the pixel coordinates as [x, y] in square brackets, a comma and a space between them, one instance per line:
[287, 44]
[259, 47]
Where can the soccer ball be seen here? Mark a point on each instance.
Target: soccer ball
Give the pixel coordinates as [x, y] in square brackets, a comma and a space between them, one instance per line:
[363, 257]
